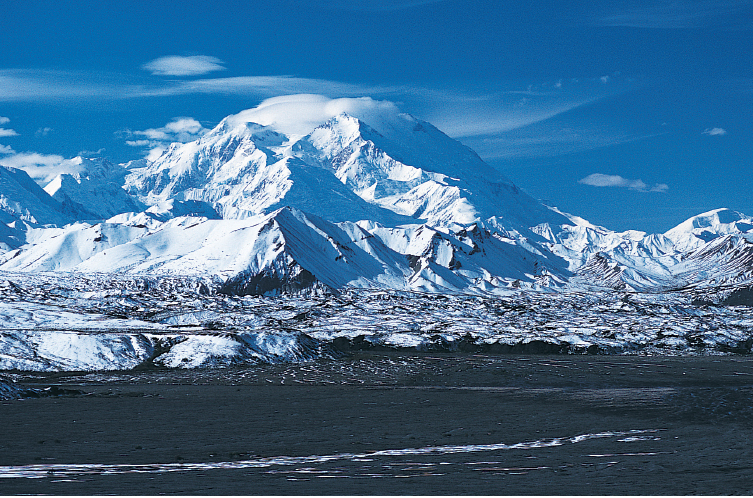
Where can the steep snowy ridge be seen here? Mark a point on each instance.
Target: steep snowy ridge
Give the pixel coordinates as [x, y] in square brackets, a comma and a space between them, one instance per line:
[280, 247]
[346, 146]
[219, 168]
[21, 199]
[95, 192]
[723, 261]
[412, 168]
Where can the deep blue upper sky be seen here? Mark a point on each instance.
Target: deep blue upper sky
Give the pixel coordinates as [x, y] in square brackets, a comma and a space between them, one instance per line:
[633, 115]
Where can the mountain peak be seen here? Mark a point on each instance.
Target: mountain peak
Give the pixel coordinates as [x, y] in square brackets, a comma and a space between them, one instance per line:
[702, 228]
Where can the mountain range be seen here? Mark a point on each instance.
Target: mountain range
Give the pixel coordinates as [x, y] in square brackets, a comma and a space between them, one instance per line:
[393, 203]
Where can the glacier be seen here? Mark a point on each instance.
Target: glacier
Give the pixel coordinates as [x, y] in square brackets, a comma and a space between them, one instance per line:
[292, 213]
[52, 322]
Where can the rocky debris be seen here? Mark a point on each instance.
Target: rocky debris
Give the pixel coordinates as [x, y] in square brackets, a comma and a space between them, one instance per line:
[143, 323]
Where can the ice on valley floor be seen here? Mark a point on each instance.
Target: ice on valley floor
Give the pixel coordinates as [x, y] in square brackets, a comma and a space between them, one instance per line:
[47, 326]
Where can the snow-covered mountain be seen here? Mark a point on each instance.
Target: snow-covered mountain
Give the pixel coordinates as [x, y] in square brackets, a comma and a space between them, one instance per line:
[393, 203]
[23, 204]
[709, 250]
[95, 192]
[21, 199]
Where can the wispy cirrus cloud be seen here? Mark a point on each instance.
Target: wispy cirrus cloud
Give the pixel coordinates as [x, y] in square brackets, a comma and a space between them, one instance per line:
[263, 86]
[546, 140]
[472, 113]
[44, 85]
[602, 180]
[670, 14]
[27, 85]
[379, 5]
[483, 112]
[176, 65]
[463, 119]
[714, 131]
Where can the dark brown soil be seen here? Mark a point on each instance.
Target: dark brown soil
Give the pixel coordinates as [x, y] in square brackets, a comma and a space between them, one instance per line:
[700, 409]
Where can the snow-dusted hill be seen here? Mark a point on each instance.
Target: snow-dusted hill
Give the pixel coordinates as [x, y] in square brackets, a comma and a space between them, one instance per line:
[361, 196]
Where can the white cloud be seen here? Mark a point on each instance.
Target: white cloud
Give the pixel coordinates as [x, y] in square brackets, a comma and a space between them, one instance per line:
[604, 79]
[464, 113]
[601, 180]
[7, 133]
[41, 167]
[461, 118]
[138, 143]
[175, 65]
[43, 132]
[155, 152]
[6, 149]
[4, 120]
[183, 127]
[714, 131]
[299, 114]
[180, 129]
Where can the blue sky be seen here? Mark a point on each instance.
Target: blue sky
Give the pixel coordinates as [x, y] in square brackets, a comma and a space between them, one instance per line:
[633, 115]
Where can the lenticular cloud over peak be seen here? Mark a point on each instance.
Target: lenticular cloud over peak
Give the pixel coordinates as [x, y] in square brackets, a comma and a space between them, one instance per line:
[299, 114]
